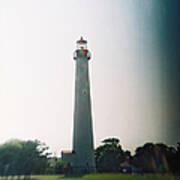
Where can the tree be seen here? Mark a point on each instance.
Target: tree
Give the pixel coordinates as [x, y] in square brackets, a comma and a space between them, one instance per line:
[34, 158]
[176, 160]
[23, 158]
[109, 155]
[154, 158]
[9, 153]
[56, 166]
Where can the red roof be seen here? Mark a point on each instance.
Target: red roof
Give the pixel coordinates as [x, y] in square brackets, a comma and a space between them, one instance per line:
[67, 152]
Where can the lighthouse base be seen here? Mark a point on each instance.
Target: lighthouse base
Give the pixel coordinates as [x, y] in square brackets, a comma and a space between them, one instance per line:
[74, 166]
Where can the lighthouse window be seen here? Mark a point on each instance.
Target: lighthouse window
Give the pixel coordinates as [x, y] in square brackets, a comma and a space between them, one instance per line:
[84, 91]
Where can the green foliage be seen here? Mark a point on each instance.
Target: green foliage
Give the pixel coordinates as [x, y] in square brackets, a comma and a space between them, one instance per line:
[56, 166]
[155, 158]
[22, 158]
[109, 156]
[111, 141]
[31, 157]
[149, 158]
[60, 167]
[176, 160]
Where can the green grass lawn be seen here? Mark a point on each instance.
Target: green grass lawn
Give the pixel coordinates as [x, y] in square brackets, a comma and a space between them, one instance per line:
[109, 177]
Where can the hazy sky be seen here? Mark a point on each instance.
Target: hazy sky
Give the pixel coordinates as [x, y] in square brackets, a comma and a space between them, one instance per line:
[128, 40]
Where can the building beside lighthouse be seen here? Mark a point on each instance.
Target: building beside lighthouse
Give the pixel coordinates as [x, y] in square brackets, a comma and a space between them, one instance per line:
[81, 158]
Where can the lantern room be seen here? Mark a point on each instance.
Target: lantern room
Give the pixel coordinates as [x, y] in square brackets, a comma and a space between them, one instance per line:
[82, 51]
[81, 44]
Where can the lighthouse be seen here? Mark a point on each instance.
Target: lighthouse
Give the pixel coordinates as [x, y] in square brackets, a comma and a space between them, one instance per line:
[81, 158]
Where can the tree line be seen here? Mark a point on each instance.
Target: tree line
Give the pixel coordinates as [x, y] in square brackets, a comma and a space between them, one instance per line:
[149, 158]
[24, 158]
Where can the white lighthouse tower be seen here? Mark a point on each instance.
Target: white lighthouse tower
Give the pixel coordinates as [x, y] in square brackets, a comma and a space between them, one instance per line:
[81, 158]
